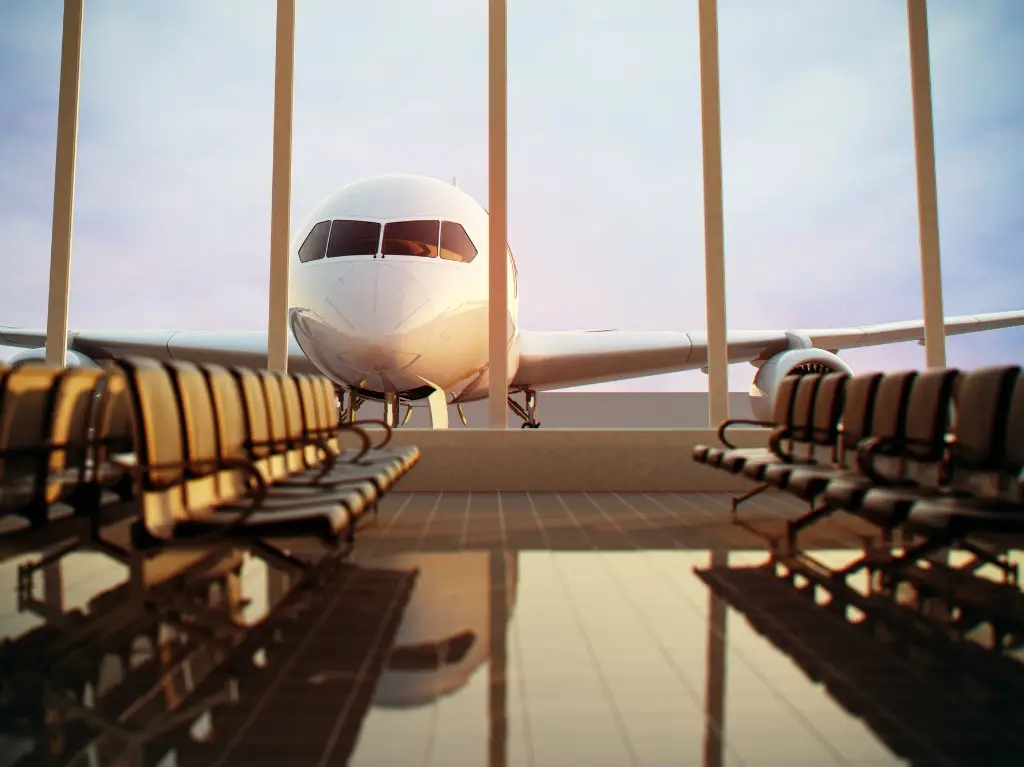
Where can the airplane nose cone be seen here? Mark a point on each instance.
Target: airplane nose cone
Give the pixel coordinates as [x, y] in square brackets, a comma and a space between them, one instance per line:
[383, 313]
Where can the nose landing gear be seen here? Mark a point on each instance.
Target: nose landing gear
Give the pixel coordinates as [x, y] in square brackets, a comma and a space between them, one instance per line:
[527, 413]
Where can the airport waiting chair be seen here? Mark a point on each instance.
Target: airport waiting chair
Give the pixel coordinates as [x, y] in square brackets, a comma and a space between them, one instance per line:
[190, 492]
[875, 406]
[45, 421]
[922, 454]
[781, 419]
[287, 439]
[787, 445]
[224, 446]
[816, 444]
[406, 456]
[983, 496]
[383, 473]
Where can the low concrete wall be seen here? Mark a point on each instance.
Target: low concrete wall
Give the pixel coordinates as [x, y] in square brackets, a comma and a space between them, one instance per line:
[592, 410]
[567, 460]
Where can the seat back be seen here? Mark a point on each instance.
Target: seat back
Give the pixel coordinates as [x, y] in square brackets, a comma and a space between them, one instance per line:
[828, 407]
[313, 429]
[27, 402]
[160, 450]
[297, 457]
[889, 419]
[277, 425]
[73, 418]
[114, 423]
[801, 423]
[983, 401]
[232, 429]
[328, 411]
[257, 420]
[785, 394]
[858, 409]
[1015, 442]
[927, 425]
[199, 435]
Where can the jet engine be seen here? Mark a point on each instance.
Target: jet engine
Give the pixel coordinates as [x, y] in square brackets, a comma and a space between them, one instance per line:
[798, 361]
[74, 359]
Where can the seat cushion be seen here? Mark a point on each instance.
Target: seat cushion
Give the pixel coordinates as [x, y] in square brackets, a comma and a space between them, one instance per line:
[808, 482]
[963, 516]
[777, 474]
[735, 460]
[846, 492]
[755, 468]
[890, 506]
[700, 453]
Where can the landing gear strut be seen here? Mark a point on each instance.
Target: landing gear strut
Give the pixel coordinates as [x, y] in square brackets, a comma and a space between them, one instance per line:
[348, 405]
[528, 413]
[391, 405]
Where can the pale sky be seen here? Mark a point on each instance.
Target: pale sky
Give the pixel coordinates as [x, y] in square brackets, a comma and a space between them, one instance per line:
[174, 157]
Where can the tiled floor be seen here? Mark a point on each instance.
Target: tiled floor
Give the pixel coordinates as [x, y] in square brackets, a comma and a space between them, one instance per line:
[515, 629]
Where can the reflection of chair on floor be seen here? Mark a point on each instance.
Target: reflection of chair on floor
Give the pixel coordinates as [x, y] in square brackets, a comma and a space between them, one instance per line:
[929, 698]
[204, 460]
[323, 650]
[92, 681]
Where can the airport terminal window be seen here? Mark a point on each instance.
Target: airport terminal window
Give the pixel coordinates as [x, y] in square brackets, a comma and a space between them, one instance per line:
[353, 238]
[315, 244]
[411, 238]
[455, 243]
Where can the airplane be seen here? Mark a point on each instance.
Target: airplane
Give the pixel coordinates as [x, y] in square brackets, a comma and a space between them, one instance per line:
[388, 297]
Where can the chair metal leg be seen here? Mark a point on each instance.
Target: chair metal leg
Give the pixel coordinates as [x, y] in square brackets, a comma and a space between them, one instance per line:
[910, 556]
[738, 499]
[794, 526]
[1009, 570]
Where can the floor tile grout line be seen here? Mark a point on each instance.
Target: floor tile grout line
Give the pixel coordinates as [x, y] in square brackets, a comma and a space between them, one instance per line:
[596, 666]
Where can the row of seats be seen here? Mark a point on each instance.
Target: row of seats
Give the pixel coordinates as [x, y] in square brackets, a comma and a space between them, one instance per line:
[198, 450]
[937, 453]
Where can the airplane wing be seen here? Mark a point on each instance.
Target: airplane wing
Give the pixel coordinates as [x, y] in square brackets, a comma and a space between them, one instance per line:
[559, 359]
[547, 359]
[245, 348]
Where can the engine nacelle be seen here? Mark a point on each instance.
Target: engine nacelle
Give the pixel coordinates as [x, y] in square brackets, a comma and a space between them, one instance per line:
[74, 359]
[766, 382]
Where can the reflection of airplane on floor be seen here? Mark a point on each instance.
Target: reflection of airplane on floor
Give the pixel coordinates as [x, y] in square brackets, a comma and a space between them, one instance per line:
[451, 625]
[388, 297]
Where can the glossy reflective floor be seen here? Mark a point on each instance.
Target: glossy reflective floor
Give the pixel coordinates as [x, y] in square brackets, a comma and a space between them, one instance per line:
[502, 630]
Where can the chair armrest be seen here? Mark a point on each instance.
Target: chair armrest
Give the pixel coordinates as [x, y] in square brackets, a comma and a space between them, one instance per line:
[722, 427]
[775, 443]
[867, 450]
[258, 489]
[364, 439]
[382, 424]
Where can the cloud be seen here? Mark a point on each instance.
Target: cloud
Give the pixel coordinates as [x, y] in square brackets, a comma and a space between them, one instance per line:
[173, 183]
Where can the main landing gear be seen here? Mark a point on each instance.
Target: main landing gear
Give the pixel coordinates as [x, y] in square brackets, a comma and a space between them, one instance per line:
[528, 413]
[348, 405]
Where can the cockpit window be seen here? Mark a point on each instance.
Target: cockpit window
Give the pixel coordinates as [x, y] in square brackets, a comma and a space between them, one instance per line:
[411, 238]
[353, 238]
[455, 243]
[316, 243]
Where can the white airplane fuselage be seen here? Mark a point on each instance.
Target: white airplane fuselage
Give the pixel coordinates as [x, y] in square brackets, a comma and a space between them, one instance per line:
[411, 316]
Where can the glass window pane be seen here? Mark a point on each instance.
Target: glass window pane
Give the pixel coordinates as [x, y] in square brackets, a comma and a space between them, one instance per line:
[316, 242]
[411, 238]
[455, 243]
[353, 238]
